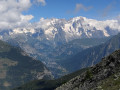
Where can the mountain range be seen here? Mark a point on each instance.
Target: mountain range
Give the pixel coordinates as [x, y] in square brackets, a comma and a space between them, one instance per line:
[52, 39]
[63, 46]
[91, 56]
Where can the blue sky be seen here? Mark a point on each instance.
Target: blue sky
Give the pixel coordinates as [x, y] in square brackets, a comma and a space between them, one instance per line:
[96, 9]
[20, 13]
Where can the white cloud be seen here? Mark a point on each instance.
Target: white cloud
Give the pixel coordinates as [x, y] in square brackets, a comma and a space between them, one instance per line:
[41, 2]
[80, 7]
[118, 18]
[11, 13]
[27, 17]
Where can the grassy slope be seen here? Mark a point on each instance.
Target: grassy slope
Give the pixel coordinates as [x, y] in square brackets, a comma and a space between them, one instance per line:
[16, 67]
[111, 83]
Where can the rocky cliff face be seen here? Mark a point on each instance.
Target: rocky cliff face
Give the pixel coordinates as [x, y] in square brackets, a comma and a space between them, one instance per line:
[95, 78]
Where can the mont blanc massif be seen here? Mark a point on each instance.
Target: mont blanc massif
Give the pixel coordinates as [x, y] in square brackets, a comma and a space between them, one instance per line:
[60, 54]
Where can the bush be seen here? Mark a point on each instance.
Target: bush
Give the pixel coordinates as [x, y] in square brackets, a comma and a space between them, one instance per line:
[89, 75]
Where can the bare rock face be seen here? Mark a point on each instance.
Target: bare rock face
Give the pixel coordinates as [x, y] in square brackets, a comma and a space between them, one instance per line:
[92, 78]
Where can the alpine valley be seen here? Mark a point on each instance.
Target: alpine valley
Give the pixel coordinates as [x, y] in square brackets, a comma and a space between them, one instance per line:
[91, 56]
[54, 41]
[102, 76]
[59, 45]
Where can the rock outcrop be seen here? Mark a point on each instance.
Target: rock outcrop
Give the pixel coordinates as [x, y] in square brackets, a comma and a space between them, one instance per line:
[94, 77]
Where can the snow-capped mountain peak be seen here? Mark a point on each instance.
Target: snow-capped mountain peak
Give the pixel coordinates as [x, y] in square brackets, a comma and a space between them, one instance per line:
[61, 30]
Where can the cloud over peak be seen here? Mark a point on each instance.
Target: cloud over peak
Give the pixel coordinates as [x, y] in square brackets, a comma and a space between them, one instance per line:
[11, 13]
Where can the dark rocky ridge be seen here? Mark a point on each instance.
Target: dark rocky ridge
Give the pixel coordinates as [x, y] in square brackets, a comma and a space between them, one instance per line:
[92, 78]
